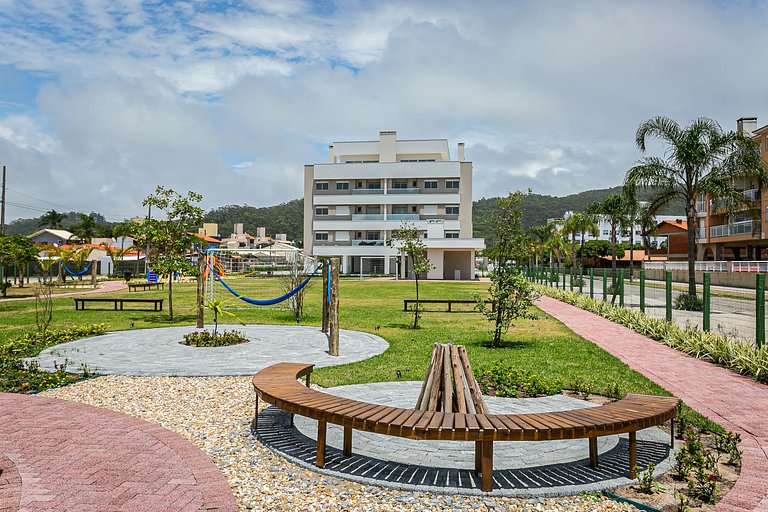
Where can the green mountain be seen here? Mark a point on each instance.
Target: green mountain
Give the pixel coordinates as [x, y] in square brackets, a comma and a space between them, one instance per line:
[72, 219]
[285, 218]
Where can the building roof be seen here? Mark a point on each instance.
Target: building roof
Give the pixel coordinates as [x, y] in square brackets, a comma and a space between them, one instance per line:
[672, 226]
[61, 233]
[206, 238]
[639, 255]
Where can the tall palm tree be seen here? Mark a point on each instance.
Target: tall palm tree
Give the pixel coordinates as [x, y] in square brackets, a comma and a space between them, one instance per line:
[52, 219]
[698, 159]
[87, 227]
[538, 235]
[579, 223]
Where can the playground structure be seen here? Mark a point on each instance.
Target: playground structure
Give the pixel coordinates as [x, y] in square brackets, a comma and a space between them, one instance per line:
[227, 269]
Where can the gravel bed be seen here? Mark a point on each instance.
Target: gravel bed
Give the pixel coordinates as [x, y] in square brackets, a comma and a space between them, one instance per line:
[214, 414]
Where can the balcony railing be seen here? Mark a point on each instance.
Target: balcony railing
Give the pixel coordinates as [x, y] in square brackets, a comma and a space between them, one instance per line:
[368, 216]
[735, 228]
[700, 266]
[403, 216]
[368, 242]
[403, 190]
[701, 234]
[701, 207]
[368, 191]
[752, 194]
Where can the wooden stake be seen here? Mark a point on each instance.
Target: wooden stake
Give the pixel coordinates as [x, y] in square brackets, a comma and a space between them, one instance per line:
[326, 284]
[333, 338]
[458, 378]
[420, 402]
[447, 384]
[474, 388]
[434, 392]
[94, 264]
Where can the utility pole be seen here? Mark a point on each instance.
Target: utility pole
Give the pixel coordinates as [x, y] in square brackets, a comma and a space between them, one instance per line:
[2, 210]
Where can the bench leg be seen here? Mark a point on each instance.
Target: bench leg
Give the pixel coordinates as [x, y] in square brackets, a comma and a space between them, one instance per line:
[320, 461]
[593, 452]
[632, 454]
[290, 420]
[255, 422]
[487, 466]
[347, 451]
[672, 433]
[478, 456]
[308, 379]
[449, 307]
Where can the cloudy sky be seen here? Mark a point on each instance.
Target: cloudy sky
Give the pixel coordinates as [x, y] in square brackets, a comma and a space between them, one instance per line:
[100, 101]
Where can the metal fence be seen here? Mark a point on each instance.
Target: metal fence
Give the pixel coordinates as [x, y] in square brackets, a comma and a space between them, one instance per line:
[737, 312]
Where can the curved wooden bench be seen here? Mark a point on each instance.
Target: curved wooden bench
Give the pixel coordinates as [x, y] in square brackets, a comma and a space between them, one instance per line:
[278, 386]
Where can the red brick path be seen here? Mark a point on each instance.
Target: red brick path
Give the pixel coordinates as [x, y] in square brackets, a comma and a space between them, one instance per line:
[735, 402]
[73, 456]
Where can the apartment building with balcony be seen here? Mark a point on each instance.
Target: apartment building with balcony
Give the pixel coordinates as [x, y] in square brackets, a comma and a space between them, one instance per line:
[741, 235]
[367, 189]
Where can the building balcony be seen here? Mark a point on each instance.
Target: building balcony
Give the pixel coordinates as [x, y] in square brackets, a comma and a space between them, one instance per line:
[701, 208]
[735, 228]
[752, 194]
[403, 216]
[409, 190]
[371, 243]
[368, 216]
[367, 191]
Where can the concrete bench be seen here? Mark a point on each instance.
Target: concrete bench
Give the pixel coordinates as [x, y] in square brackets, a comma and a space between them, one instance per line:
[278, 385]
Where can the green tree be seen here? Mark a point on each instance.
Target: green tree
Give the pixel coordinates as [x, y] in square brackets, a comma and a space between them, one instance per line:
[87, 228]
[52, 219]
[170, 237]
[406, 238]
[698, 159]
[614, 209]
[16, 250]
[579, 224]
[116, 254]
[511, 294]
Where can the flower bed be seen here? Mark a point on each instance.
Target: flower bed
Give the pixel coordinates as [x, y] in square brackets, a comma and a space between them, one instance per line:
[213, 339]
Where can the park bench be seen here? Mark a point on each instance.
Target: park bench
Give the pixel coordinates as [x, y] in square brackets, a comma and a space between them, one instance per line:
[449, 302]
[278, 385]
[156, 303]
[132, 287]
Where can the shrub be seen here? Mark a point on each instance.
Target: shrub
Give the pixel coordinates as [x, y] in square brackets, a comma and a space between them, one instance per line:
[645, 481]
[687, 302]
[209, 339]
[510, 382]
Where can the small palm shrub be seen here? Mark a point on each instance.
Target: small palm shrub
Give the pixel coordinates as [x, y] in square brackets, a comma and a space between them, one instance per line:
[687, 302]
[210, 339]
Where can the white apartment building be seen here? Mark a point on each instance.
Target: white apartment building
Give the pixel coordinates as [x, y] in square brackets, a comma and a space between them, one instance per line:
[367, 189]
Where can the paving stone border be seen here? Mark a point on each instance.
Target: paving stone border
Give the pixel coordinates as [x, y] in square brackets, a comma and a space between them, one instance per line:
[157, 351]
[10, 485]
[521, 469]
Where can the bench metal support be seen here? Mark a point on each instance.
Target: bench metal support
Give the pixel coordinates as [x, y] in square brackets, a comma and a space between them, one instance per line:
[347, 451]
[593, 452]
[672, 433]
[255, 422]
[321, 430]
[632, 454]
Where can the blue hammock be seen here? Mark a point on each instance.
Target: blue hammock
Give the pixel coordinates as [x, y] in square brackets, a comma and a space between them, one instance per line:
[76, 274]
[267, 302]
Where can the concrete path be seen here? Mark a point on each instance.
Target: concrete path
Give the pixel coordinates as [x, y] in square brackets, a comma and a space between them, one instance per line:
[737, 403]
[158, 351]
[104, 287]
[58, 455]
[521, 469]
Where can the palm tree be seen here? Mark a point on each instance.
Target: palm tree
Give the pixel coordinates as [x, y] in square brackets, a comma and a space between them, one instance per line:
[614, 209]
[579, 223]
[115, 254]
[51, 219]
[87, 227]
[538, 235]
[698, 159]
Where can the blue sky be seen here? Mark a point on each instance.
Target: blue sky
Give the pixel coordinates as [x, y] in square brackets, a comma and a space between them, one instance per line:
[100, 101]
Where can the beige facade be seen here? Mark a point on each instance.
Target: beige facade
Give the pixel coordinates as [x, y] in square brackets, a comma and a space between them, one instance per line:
[367, 189]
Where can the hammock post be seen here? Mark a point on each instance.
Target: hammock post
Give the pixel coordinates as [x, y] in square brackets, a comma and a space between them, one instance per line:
[326, 284]
[200, 317]
[93, 274]
[333, 338]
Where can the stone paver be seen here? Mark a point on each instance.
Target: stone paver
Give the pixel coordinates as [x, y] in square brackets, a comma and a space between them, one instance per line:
[530, 469]
[76, 457]
[158, 351]
[734, 401]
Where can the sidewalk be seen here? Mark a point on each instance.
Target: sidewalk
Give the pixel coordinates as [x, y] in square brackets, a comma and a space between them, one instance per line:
[737, 403]
[104, 287]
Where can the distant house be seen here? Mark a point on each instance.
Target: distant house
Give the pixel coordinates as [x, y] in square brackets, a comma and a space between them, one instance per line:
[676, 232]
[55, 237]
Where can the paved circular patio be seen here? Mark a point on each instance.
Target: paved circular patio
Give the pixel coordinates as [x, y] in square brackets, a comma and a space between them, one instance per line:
[158, 351]
[541, 468]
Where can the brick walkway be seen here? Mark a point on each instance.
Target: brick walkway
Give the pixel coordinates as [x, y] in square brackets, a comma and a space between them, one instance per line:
[737, 403]
[72, 456]
[104, 287]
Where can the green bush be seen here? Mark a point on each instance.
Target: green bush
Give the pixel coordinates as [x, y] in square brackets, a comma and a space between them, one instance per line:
[511, 382]
[687, 302]
[209, 339]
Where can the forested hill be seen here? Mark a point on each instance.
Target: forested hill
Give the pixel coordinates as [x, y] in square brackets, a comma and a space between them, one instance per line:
[285, 218]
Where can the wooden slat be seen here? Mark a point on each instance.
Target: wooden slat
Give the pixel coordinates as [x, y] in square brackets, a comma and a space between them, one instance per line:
[474, 389]
[421, 402]
[434, 394]
[458, 378]
[447, 383]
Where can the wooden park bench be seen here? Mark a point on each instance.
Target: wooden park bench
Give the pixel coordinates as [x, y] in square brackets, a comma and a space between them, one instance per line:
[278, 386]
[156, 303]
[449, 302]
[132, 287]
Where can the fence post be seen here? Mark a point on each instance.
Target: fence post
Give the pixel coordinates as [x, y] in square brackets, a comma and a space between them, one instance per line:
[668, 278]
[605, 285]
[581, 280]
[591, 283]
[621, 287]
[564, 273]
[570, 284]
[706, 321]
[760, 310]
[642, 291]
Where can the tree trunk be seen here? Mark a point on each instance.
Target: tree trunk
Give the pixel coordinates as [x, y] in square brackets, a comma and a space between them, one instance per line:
[170, 296]
[581, 248]
[691, 214]
[416, 311]
[631, 252]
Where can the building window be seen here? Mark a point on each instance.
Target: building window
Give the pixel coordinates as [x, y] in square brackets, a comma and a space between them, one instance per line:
[451, 210]
[321, 211]
[342, 185]
[430, 184]
[374, 185]
[451, 234]
[321, 237]
[413, 209]
[400, 210]
[321, 185]
[606, 232]
[452, 184]
[372, 235]
[400, 184]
